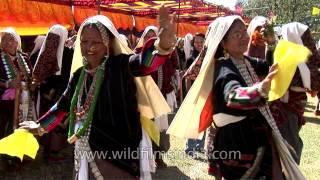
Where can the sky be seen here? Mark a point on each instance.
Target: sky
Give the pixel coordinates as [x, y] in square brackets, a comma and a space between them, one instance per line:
[226, 3]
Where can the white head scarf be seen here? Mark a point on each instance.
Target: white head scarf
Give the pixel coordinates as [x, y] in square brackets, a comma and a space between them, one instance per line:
[119, 45]
[146, 30]
[187, 46]
[125, 39]
[37, 44]
[292, 32]
[62, 32]
[277, 30]
[14, 33]
[256, 22]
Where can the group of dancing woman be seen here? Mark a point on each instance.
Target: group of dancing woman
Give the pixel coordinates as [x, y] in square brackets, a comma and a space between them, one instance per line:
[118, 99]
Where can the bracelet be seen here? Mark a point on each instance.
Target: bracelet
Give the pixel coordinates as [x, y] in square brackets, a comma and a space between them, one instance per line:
[161, 51]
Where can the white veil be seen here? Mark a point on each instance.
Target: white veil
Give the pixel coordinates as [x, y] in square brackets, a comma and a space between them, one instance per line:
[146, 30]
[62, 32]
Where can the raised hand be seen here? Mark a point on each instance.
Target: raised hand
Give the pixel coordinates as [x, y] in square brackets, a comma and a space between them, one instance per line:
[167, 33]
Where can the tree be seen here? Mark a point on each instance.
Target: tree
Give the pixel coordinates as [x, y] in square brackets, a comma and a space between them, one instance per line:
[285, 11]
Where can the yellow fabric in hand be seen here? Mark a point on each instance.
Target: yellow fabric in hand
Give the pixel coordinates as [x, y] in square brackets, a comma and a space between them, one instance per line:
[152, 130]
[20, 143]
[288, 55]
[315, 11]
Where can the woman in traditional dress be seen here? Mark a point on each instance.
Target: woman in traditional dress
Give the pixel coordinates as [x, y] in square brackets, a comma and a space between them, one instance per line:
[16, 104]
[193, 145]
[52, 69]
[107, 104]
[288, 110]
[228, 91]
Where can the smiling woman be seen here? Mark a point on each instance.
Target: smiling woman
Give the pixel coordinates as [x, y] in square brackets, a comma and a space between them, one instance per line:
[16, 100]
[107, 103]
[92, 47]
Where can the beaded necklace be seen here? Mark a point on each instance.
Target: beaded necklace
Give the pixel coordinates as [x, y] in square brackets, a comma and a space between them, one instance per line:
[84, 112]
[11, 69]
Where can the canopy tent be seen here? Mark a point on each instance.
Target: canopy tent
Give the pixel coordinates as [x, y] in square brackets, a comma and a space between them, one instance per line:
[35, 16]
[32, 18]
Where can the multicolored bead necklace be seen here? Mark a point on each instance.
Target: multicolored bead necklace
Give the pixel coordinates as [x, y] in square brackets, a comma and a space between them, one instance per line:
[85, 112]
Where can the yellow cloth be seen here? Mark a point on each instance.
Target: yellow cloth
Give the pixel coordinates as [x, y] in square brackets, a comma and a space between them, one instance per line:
[288, 55]
[20, 143]
[315, 11]
[151, 104]
[152, 130]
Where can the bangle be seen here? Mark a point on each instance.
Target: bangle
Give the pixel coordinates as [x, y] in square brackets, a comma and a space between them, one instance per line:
[7, 84]
[161, 51]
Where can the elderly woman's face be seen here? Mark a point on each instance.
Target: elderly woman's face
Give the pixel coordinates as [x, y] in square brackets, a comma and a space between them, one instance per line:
[92, 47]
[237, 39]
[9, 44]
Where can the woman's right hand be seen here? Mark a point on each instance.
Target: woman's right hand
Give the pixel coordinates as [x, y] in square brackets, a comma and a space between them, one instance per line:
[266, 82]
[31, 126]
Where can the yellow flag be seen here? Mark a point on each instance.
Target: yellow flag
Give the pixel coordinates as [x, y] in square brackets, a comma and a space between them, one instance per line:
[315, 11]
[152, 130]
[288, 55]
[20, 143]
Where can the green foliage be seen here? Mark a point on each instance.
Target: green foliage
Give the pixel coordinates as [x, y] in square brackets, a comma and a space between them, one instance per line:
[285, 11]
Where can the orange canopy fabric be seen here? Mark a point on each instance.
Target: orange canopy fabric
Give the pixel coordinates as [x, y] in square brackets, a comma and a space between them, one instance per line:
[32, 18]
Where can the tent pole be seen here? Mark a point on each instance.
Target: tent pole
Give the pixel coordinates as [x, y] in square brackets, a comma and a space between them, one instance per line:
[72, 11]
[178, 18]
[99, 4]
